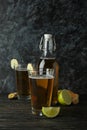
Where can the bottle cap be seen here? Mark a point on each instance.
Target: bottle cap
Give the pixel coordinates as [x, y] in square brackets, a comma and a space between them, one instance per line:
[48, 36]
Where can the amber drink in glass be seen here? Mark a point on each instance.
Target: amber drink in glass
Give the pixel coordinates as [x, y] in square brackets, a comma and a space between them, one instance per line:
[22, 82]
[41, 85]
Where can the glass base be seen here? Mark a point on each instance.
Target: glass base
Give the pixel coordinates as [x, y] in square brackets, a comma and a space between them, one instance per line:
[21, 97]
[37, 112]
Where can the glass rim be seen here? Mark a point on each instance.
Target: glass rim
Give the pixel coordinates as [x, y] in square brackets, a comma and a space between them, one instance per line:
[21, 67]
[41, 72]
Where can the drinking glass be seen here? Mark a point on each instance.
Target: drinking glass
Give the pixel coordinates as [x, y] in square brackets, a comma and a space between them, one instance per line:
[22, 82]
[41, 86]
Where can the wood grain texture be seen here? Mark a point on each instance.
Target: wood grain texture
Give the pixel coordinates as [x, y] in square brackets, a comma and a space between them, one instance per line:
[16, 115]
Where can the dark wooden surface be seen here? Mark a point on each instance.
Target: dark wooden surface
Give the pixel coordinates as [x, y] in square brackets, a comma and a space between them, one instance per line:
[16, 115]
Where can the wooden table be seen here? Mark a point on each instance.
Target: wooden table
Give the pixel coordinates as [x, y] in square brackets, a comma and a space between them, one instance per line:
[16, 115]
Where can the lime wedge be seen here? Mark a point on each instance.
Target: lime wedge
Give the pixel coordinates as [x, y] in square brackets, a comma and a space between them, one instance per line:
[30, 67]
[50, 112]
[64, 97]
[14, 63]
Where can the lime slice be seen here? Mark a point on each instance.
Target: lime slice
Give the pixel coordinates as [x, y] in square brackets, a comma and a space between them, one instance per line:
[59, 91]
[12, 95]
[30, 67]
[50, 112]
[14, 63]
[64, 97]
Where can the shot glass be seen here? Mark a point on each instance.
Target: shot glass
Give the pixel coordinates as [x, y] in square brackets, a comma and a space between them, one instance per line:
[41, 85]
[22, 82]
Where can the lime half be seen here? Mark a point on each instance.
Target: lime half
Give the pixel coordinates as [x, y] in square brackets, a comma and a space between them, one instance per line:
[64, 97]
[14, 63]
[50, 112]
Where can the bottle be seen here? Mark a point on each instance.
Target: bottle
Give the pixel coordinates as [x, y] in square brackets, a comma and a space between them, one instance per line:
[48, 60]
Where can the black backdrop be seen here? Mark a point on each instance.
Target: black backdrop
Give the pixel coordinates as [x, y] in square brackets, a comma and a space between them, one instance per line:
[23, 22]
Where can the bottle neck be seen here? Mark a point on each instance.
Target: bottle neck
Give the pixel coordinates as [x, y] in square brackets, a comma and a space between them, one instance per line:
[47, 46]
[48, 49]
[48, 58]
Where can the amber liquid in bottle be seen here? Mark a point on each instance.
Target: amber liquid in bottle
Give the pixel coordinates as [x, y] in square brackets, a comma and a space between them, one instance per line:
[52, 64]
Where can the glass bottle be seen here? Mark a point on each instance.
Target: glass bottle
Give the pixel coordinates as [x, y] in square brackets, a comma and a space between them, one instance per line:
[48, 60]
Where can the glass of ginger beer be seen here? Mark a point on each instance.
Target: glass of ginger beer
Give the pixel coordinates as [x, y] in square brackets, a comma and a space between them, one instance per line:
[41, 86]
[22, 82]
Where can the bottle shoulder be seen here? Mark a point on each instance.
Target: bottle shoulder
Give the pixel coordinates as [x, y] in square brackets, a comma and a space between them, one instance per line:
[47, 58]
[48, 62]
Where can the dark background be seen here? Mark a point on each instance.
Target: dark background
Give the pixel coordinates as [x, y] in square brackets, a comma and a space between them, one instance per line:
[23, 22]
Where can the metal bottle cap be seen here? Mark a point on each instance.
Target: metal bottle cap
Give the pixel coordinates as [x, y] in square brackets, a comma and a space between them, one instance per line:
[48, 36]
